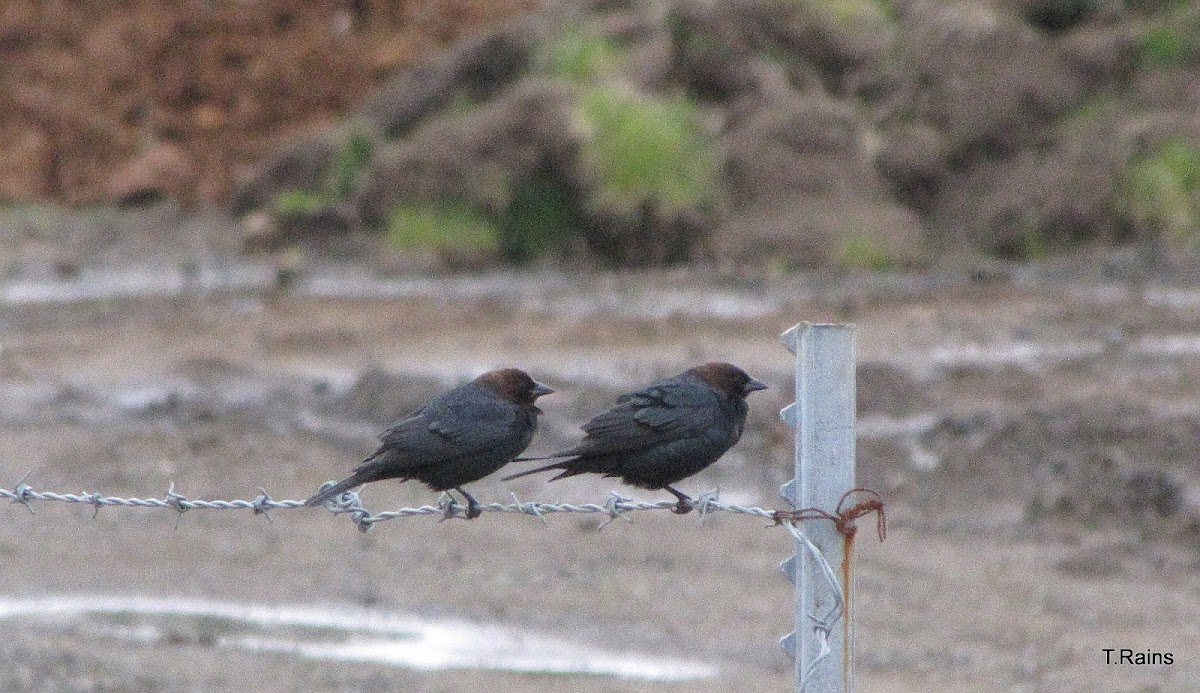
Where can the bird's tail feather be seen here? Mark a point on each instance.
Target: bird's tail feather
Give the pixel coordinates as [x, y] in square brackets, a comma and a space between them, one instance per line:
[333, 491]
[527, 472]
[552, 456]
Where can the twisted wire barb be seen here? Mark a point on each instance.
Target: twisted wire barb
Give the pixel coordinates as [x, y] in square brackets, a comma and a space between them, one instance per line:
[350, 504]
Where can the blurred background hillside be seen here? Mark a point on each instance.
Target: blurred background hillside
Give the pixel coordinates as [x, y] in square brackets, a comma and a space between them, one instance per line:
[777, 134]
[184, 96]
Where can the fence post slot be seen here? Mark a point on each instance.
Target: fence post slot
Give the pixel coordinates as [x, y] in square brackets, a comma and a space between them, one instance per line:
[823, 417]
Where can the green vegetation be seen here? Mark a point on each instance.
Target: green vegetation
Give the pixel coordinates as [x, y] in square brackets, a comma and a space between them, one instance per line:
[1034, 245]
[349, 164]
[1173, 39]
[643, 149]
[299, 203]
[1161, 191]
[581, 56]
[644, 157]
[539, 217]
[1147, 6]
[1165, 45]
[454, 227]
[865, 253]
[1090, 112]
[854, 11]
[345, 170]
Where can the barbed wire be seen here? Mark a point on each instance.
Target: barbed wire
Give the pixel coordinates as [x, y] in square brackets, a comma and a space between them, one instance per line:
[617, 506]
[350, 504]
[822, 625]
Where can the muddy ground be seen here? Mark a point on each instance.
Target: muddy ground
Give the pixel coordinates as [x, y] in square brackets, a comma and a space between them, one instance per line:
[1034, 432]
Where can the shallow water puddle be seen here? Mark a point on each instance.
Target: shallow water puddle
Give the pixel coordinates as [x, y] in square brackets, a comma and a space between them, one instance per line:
[552, 294]
[1038, 354]
[347, 634]
[141, 282]
[1018, 353]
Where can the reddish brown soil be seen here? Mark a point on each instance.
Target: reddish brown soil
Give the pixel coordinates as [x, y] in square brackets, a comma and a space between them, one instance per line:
[95, 93]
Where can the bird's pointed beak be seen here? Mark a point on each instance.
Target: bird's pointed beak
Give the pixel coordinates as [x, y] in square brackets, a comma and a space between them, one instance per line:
[540, 389]
[753, 385]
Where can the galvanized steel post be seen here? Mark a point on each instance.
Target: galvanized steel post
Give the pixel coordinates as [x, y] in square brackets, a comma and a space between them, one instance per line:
[823, 417]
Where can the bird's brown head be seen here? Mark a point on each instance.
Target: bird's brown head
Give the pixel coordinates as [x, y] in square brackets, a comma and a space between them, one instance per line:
[513, 384]
[727, 378]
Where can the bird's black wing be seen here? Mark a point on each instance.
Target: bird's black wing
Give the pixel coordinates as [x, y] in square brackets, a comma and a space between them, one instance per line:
[475, 425]
[653, 415]
[412, 433]
[459, 423]
[465, 417]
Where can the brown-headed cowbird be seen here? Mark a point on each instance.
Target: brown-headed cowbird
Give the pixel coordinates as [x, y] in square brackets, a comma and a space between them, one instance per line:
[664, 432]
[459, 437]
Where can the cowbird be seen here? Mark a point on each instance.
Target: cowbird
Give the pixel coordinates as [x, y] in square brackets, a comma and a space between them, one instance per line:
[662, 433]
[459, 437]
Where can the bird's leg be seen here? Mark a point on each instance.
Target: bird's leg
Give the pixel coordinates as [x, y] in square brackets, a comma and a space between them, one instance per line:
[473, 510]
[684, 506]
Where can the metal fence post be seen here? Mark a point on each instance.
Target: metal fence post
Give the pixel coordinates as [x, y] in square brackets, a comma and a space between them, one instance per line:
[823, 417]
